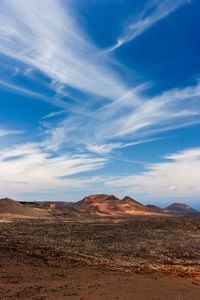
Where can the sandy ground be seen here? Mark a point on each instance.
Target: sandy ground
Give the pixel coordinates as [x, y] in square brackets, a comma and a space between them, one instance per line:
[33, 278]
[49, 259]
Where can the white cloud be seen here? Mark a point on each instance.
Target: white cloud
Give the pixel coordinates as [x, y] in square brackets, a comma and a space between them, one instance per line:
[53, 114]
[131, 117]
[4, 132]
[107, 148]
[104, 148]
[150, 15]
[44, 36]
[179, 177]
[62, 51]
[56, 47]
[16, 71]
[22, 90]
[172, 187]
[30, 169]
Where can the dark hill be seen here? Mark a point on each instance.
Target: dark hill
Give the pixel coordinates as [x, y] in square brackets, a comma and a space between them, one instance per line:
[157, 208]
[181, 208]
[9, 206]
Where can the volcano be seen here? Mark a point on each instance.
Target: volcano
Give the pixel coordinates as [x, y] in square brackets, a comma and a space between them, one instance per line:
[109, 205]
[183, 209]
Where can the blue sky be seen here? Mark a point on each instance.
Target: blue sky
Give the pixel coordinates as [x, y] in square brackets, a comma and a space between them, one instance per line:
[100, 97]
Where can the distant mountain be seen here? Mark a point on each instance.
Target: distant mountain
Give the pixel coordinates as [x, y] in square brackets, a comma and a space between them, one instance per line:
[9, 206]
[109, 205]
[47, 203]
[55, 208]
[93, 205]
[183, 209]
[59, 203]
[157, 209]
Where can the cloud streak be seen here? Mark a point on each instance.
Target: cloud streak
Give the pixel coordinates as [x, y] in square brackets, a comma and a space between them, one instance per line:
[176, 178]
[5, 132]
[99, 111]
[17, 89]
[29, 168]
[111, 111]
[150, 15]
[131, 118]
[56, 46]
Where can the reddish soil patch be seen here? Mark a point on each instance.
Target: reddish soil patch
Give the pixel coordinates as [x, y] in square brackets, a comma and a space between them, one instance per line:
[27, 277]
[107, 259]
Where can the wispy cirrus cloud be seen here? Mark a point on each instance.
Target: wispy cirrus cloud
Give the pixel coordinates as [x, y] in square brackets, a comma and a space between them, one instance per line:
[57, 46]
[111, 111]
[53, 114]
[177, 177]
[29, 168]
[130, 117]
[104, 112]
[152, 13]
[5, 132]
[22, 90]
[107, 148]
[17, 89]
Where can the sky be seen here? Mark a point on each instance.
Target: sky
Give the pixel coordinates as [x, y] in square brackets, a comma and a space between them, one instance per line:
[100, 97]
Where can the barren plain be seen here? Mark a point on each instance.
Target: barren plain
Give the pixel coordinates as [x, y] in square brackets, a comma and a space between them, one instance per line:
[137, 257]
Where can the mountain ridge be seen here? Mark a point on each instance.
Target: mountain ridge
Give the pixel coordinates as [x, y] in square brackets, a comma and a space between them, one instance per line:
[93, 205]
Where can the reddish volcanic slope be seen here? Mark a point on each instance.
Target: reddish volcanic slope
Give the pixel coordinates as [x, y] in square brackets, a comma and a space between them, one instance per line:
[94, 205]
[109, 205]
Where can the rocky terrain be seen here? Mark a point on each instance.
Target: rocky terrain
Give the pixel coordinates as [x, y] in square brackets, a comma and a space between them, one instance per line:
[100, 258]
[100, 247]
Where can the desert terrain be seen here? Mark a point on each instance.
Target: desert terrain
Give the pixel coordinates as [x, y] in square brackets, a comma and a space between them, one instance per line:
[68, 253]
